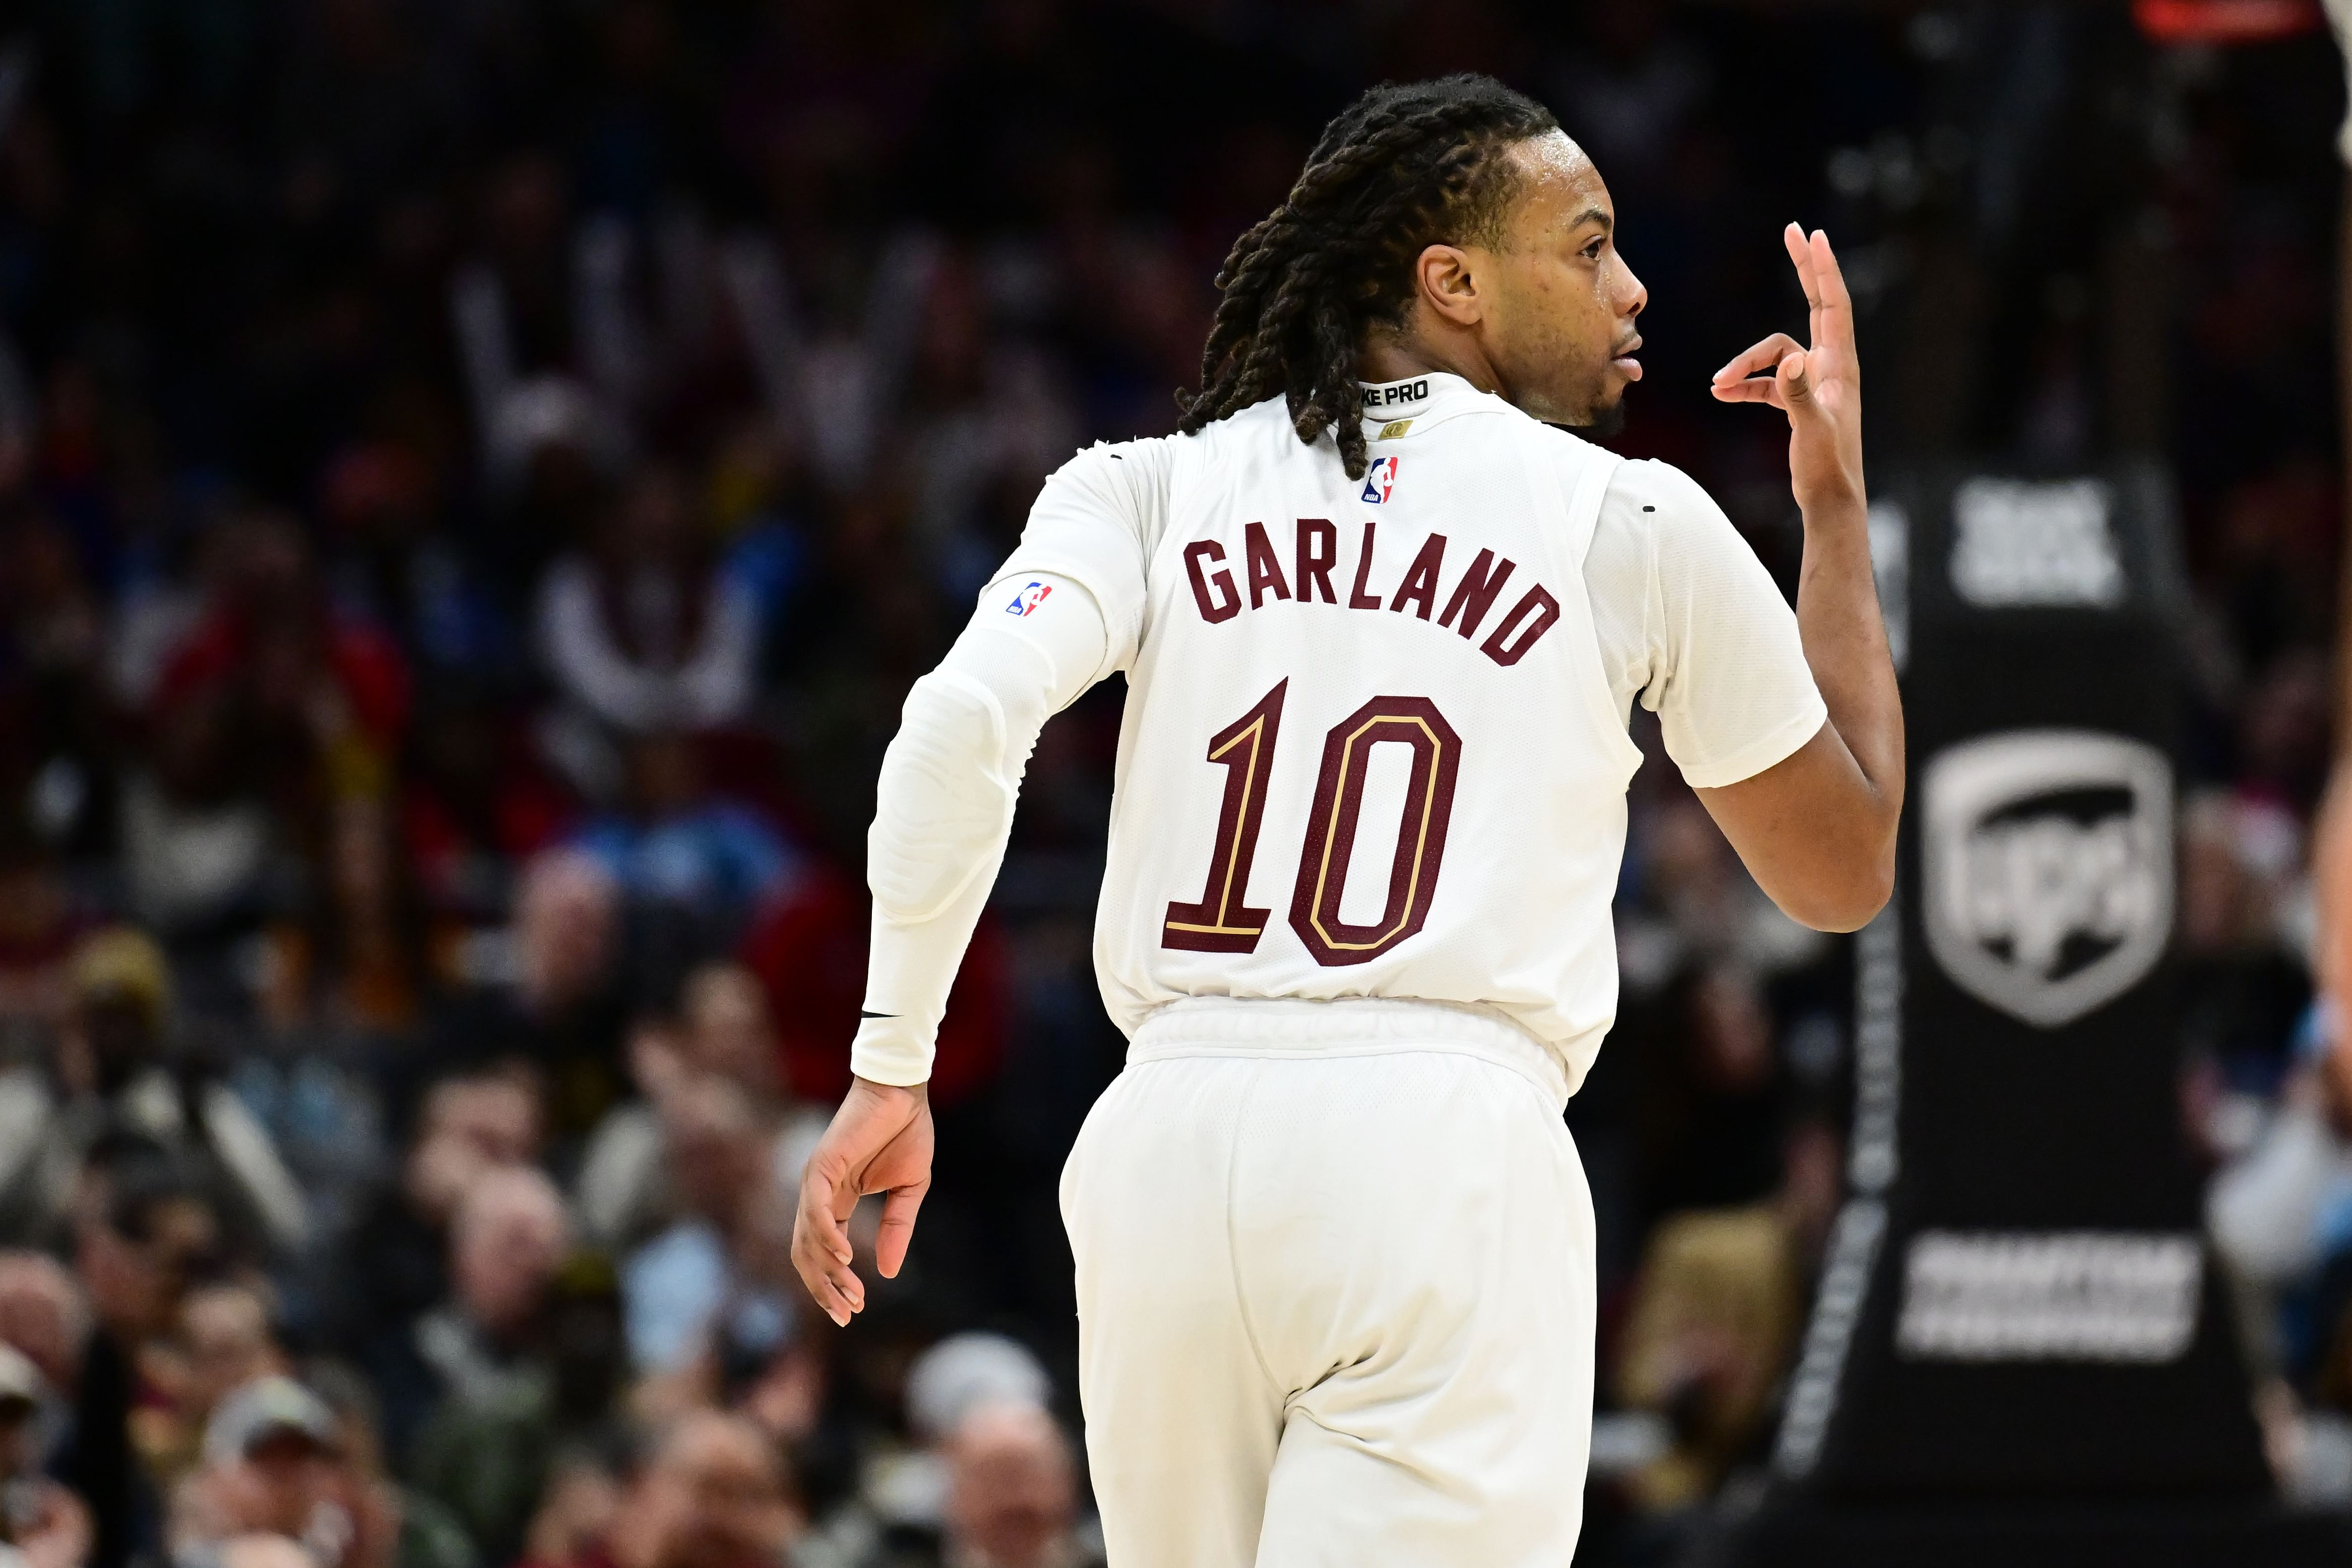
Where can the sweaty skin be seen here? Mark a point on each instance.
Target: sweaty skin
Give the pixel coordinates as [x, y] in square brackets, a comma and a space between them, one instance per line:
[1545, 318]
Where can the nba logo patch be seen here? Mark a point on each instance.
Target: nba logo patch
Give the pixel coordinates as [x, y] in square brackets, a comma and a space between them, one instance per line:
[1029, 599]
[1379, 480]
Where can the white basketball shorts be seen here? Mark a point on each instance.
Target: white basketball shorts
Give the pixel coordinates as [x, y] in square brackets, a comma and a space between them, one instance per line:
[1335, 1281]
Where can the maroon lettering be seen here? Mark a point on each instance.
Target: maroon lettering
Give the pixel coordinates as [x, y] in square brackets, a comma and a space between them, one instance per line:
[1263, 574]
[1338, 808]
[1219, 921]
[1476, 592]
[1421, 578]
[1537, 603]
[1314, 564]
[1228, 603]
[1357, 598]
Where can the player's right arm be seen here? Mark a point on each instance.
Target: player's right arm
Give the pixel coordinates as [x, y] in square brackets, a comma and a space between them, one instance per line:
[1061, 615]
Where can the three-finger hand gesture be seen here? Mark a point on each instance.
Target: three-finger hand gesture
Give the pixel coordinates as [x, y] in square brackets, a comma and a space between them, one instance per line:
[880, 1141]
[1818, 387]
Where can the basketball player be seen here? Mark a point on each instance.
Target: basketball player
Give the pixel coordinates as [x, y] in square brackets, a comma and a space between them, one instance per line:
[1381, 624]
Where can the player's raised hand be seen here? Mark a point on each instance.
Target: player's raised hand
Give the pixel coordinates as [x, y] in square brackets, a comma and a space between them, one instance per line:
[1819, 387]
[880, 1141]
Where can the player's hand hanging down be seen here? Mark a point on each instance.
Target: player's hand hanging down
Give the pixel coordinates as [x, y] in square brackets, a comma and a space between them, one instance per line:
[1819, 387]
[880, 1141]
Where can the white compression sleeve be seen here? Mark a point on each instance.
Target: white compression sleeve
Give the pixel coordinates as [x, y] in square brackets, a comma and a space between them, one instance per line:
[944, 803]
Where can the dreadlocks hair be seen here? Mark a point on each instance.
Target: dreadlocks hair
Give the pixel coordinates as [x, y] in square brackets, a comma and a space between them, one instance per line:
[1402, 168]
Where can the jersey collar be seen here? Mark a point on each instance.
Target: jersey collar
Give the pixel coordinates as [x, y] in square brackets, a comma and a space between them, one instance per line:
[1416, 397]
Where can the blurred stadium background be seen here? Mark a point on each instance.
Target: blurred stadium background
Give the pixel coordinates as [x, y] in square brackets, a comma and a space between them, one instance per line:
[478, 476]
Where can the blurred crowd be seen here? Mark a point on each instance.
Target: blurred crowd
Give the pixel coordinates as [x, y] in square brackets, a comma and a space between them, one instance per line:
[476, 480]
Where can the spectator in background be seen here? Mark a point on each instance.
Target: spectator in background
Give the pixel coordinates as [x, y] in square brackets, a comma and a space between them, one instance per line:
[316, 680]
[43, 1522]
[60, 725]
[1697, 903]
[723, 1030]
[109, 1074]
[389, 561]
[273, 1465]
[199, 844]
[906, 1506]
[225, 1332]
[255, 1551]
[1012, 1493]
[1713, 1106]
[486, 1448]
[968, 1372]
[144, 1229]
[1707, 1338]
[2245, 979]
[477, 804]
[271, 709]
[698, 1285]
[710, 1493]
[679, 846]
[564, 1008]
[224, 1342]
[355, 960]
[44, 1317]
[2281, 1213]
[473, 1124]
[643, 633]
[428, 1535]
[39, 925]
[622, 1193]
[584, 1497]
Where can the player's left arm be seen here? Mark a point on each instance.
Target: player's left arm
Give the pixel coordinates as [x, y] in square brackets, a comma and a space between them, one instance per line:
[1817, 828]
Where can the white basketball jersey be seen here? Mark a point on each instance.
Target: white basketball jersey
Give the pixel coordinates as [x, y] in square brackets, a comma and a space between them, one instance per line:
[1368, 748]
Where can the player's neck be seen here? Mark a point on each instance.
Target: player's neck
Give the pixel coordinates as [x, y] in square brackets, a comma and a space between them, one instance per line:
[1401, 355]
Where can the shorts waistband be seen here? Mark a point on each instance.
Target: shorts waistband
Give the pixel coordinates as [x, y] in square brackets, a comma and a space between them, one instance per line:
[1349, 1026]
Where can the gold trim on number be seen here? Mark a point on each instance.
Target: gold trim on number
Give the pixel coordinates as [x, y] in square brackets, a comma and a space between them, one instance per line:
[1332, 831]
[1233, 851]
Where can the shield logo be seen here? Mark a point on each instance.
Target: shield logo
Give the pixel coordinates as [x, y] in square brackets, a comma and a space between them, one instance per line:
[2048, 868]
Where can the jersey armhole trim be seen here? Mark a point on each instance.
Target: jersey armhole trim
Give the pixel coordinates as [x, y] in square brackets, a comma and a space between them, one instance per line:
[1580, 511]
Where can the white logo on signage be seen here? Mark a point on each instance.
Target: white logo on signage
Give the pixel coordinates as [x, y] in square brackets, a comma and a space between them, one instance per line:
[2048, 868]
[2019, 543]
[2064, 1295]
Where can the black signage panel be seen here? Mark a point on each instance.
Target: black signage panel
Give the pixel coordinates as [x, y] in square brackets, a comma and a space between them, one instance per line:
[2017, 1313]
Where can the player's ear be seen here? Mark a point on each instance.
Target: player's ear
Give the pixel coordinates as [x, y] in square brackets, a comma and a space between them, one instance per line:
[1446, 282]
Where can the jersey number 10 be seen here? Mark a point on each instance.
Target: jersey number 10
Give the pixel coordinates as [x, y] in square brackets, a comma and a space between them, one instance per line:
[1220, 922]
